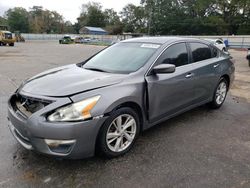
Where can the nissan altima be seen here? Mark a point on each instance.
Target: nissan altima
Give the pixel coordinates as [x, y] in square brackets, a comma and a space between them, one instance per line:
[102, 104]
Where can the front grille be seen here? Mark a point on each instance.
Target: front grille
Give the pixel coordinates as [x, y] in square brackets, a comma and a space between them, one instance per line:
[27, 105]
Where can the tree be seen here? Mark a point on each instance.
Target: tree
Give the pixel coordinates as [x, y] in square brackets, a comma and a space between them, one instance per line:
[45, 21]
[111, 17]
[197, 16]
[112, 22]
[235, 13]
[68, 27]
[91, 15]
[57, 25]
[3, 21]
[18, 19]
[133, 18]
[36, 23]
[155, 17]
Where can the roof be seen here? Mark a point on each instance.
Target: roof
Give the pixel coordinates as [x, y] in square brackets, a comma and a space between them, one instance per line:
[6, 32]
[212, 40]
[161, 40]
[96, 29]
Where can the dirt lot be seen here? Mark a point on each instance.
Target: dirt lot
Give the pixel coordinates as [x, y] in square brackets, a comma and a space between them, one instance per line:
[241, 86]
[201, 148]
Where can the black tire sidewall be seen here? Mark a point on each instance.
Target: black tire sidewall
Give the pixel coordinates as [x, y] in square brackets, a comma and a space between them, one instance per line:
[102, 146]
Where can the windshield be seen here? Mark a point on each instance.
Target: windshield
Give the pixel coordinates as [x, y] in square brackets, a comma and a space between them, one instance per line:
[66, 37]
[122, 58]
[8, 35]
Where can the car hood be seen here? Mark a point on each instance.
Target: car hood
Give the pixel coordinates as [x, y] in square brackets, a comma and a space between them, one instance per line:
[69, 80]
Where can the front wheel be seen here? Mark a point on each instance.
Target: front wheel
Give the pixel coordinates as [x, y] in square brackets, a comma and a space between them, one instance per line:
[220, 94]
[118, 133]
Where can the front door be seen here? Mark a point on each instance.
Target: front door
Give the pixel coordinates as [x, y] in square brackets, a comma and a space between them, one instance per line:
[173, 92]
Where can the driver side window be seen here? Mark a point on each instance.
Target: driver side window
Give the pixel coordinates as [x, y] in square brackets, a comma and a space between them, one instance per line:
[176, 54]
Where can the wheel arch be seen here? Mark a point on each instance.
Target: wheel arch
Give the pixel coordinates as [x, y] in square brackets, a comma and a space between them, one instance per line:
[227, 78]
[134, 106]
[130, 104]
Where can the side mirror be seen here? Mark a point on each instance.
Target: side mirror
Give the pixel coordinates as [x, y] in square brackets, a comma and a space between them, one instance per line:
[164, 68]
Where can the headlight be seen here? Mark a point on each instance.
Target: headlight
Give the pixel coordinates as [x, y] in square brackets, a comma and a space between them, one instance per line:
[76, 111]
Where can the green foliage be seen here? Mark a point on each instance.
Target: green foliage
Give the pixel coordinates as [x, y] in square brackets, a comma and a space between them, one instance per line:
[18, 19]
[91, 15]
[197, 17]
[112, 22]
[37, 20]
[111, 17]
[45, 21]
[3, 21]
[134, 18]
[154, 17]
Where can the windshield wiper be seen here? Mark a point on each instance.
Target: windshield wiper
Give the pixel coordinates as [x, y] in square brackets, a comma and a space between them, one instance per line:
[96, 69]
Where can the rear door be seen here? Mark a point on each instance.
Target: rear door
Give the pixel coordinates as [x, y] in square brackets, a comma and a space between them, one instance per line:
[206, 64]
[170, 93]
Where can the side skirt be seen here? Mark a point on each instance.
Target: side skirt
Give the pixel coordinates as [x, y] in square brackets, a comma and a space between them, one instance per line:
[148, 125]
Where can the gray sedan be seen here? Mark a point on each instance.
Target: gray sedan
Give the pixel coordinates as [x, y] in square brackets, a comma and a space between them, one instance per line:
[102, 104]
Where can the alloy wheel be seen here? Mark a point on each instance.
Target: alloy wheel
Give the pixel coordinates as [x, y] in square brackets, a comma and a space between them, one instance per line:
[121, 133]
[221, 93]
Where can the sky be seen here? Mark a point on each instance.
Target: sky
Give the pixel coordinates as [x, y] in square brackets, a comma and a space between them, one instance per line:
[70, 9]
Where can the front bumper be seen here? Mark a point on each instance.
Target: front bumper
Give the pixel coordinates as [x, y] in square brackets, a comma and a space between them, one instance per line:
[34, 132]
[8, 41]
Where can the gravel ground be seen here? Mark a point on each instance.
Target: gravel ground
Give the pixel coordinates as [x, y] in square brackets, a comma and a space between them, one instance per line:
[241, 87]
[200, 148]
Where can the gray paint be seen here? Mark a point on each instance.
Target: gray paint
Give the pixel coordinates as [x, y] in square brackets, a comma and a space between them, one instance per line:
[160, 96]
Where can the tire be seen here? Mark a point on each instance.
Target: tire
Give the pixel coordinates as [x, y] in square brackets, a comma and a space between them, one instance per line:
[220, 94]
[106, 147]
[4, 44]
[249, 63]
[11, 44]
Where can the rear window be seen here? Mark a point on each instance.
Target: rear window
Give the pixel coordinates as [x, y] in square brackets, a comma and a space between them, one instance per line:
[200, 51]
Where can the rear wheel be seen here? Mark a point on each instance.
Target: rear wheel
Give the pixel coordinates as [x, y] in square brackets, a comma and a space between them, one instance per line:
[118, 133]
[11, 44]
[220, 94]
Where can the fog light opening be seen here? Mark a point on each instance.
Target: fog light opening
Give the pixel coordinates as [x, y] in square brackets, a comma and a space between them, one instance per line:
[60, 146]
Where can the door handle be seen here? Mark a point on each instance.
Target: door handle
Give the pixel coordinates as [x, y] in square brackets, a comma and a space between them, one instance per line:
[215, 66]
[189, 75]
